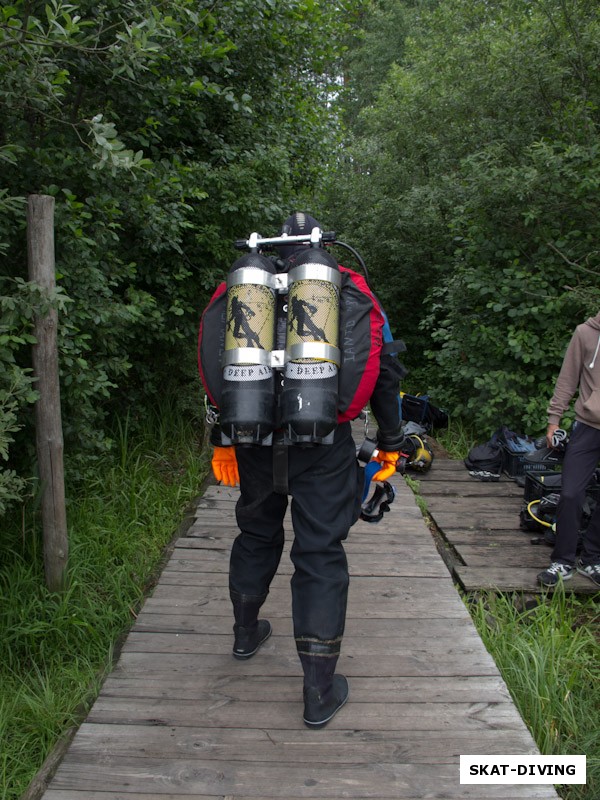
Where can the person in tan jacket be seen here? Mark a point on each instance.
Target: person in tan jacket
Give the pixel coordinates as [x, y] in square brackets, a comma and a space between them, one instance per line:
[580, 373]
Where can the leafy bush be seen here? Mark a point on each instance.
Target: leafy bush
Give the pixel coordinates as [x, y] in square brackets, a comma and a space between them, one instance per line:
[164, 133]
[478, 152]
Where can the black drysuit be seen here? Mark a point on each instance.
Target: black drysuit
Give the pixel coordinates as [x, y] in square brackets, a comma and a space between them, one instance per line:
[325, 483]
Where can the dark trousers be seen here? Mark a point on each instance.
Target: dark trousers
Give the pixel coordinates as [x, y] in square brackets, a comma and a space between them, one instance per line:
[325, 484]
[581, 459]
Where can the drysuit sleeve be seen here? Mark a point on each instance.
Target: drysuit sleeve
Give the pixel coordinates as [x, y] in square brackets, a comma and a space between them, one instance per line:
[385, 404]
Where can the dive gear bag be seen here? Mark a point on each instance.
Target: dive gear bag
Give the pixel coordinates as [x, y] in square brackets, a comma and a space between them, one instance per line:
[484, 461]
[419, 408]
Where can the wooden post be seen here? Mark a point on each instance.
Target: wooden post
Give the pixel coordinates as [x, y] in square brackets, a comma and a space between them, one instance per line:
[49, 436]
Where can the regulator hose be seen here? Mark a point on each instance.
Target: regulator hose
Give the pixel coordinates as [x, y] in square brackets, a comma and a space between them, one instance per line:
[537, 519]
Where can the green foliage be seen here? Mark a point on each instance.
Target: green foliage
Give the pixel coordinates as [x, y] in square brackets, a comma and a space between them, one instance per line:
[54, 649]
[525, 272]
[18, 303]
[379, 44]
[548, 656]
[458, 438]
[480, 157]
[164, 132]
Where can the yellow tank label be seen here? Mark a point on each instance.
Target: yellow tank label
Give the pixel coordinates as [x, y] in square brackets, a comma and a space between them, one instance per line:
[250, 317]
[313, 313]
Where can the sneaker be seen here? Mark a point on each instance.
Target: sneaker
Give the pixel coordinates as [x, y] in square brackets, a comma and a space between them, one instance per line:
[484, 475]
[591, 571]
[556, 571]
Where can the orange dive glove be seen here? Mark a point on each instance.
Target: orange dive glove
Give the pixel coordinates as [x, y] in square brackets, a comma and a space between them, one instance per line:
[224, 465]
[388, 463]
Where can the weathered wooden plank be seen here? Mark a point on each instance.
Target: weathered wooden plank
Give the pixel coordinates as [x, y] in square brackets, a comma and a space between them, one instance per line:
[477, 508]
[416, 662]
[484, 517]
[515, 579]
[413, 606]
[362, 561]
[119, 794]
[448, 466]
[494, 553]
[368, 539]
[220, 527]
[458, 481]
[207, 539]
[448, 643]
[220, 520]
[359, 541]
[266, 713]
[217, 492]
[423, 561]
[526, 793]
[368, 597]
[474, 489]
[96, 742]
[415, 627]
[218, 497]
[438, 476]
[511, 537]
[449, 520]
[445, 465]
[404, 689]
[399, 517]
[286, 780]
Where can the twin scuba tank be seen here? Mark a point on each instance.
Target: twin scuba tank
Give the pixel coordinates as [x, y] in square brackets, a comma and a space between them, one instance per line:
[248, 377]
[275, 378]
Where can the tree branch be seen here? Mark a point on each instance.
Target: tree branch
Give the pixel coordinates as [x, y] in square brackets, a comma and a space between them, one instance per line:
[573, 264]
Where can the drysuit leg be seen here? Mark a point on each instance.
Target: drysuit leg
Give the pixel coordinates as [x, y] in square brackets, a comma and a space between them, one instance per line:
[257, 549]
[325, 485]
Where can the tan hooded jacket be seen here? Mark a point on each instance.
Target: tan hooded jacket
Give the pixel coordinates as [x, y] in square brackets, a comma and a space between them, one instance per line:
[580, 370]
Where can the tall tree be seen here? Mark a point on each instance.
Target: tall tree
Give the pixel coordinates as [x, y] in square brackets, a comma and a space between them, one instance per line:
[164, 131]
[480, 159]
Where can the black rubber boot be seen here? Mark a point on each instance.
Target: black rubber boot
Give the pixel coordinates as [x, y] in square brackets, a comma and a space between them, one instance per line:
[249, 631]
[320, 707]
[248, 640]
[324, 691]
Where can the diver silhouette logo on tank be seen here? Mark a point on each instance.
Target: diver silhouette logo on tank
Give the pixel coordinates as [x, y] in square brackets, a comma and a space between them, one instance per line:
[300, 313]
[239, 322]
[250, 317]
[312, 313]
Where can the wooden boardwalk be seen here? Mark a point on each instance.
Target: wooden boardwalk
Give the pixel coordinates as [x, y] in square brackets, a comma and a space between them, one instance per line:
[479, 523]
[179, 717]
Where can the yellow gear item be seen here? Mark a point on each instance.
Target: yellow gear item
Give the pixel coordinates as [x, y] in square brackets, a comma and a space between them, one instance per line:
[224, 466]
[537, 519]
[388, 463]
[421, 459]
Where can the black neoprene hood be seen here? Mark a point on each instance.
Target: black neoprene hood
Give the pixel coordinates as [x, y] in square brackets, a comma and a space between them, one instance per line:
[297, 224]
